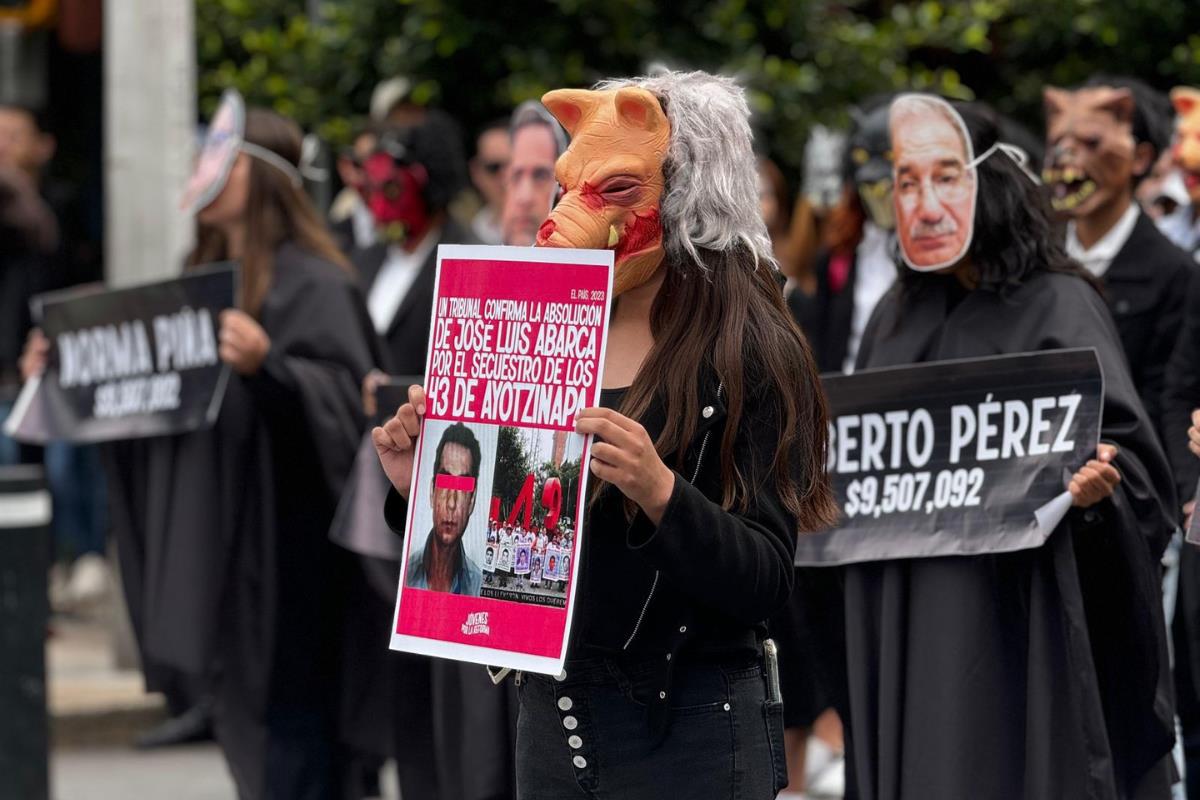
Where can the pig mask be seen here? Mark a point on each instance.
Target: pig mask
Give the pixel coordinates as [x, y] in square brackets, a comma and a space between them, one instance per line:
[1186, 101]
[612, 179]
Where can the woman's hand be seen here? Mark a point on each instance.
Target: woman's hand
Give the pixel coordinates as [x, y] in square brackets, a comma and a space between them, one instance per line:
[243, 342]
[36, 353]
[1096, 480]
[624, 456]
[395, 440]
[1194, 433]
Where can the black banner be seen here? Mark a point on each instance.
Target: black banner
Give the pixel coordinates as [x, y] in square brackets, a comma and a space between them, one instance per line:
[956, 457]
[129, 363]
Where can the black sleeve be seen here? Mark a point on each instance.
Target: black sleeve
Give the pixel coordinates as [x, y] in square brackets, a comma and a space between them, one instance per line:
[309, 386]
[395, 512]
[1168, 320]
[1181, 393]
[699, 545]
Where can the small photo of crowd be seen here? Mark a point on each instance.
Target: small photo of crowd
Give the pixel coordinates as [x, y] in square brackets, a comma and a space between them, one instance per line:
[531, 533]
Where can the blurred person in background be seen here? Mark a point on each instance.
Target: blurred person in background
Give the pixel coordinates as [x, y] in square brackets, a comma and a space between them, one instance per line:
[228, 573]
[1162, 194]
[409, 181]
[819, 194]
[350, 219]
[28, 239]
[775, 204]
[73, 472]
[530, 188]
[488, 166]
[856, 265]
[1102, 139]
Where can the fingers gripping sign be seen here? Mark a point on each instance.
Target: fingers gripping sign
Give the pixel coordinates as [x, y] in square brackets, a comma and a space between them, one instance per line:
[395, 440]
[1194, 433]
[1096, 480]
[243, 342]
[624, 455]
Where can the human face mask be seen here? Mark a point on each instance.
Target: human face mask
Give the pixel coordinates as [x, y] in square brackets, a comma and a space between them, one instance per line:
[935, 181]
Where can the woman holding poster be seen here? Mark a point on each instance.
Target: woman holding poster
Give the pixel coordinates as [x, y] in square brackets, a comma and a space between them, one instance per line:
[1037, 673]
[709, 450]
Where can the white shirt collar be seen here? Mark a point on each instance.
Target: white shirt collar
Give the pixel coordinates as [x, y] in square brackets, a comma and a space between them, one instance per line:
[395, 277]
[1098, 258]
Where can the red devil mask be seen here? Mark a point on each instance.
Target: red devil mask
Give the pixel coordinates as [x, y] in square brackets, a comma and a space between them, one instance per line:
[394, 192]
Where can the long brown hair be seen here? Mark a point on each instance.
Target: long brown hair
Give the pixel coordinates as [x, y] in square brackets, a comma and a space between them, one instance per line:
[277, 210]
[733, 320]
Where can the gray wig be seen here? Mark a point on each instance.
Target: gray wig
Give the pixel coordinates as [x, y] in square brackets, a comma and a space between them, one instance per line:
[710, 202]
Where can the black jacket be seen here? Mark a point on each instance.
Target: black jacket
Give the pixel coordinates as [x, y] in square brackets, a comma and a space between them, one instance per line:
[407, 338]
[1145, 288]
[826, 316]
[700, 583]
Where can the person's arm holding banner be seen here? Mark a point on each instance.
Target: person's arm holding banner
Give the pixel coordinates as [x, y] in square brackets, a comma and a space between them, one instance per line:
[1096, 480]
[244, 344]
[37, 353]
[395, 441]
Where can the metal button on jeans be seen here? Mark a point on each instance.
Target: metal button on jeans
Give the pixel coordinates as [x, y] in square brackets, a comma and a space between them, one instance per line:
[579, 761]
[565, 703]
[570, 723]
[560, 677]
[575, 742]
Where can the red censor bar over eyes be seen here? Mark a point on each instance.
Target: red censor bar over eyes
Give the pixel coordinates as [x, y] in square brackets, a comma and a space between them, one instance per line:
[454, 483]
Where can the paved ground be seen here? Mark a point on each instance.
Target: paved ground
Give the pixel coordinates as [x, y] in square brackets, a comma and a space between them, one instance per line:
[184, 773]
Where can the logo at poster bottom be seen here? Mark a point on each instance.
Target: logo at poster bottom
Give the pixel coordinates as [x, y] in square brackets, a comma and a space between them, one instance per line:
[477, 623]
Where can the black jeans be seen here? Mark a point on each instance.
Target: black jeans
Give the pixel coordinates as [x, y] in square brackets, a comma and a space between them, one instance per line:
[587, 736]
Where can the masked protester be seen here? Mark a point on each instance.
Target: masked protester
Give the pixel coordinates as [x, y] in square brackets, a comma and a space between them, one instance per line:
[408, 182]
[1041, 673]
[856, 266]
[222, 533]
[1101, 140]
[531, 190]
[709, 457]
[350, 220]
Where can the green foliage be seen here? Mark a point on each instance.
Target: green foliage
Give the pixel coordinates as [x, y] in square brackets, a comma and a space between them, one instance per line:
[805, 61]
[512, 465]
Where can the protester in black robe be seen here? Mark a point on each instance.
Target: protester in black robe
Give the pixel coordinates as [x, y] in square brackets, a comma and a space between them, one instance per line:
[1038, 674]
[222, 533]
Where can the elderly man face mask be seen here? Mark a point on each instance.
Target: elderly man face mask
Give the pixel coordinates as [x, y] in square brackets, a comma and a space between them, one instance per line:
[612, 178]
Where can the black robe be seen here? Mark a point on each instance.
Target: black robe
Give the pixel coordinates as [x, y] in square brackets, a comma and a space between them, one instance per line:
[222, 535]
[826, 317]
[1040, 674]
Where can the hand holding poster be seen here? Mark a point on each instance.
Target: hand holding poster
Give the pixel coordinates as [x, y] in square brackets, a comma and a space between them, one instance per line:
[958, 457]
[516, 350]
[128, 363]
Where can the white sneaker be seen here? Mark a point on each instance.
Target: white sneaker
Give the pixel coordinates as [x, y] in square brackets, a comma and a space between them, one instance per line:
[829, 782]
[89, 583]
